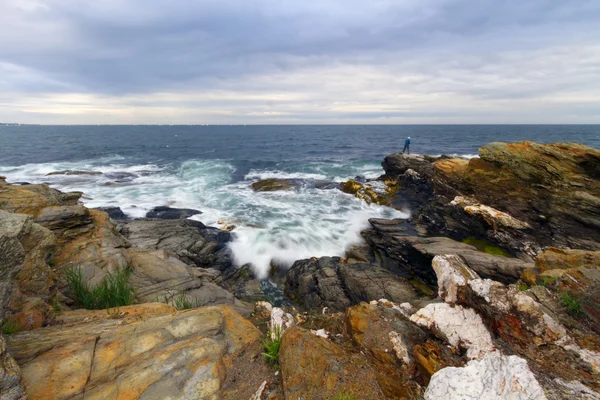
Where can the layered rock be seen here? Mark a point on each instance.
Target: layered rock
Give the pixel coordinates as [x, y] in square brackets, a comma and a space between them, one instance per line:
[164, 212]
[329, 282]
[190, 241]
[410, 256]
[149, 351]
[552, 188]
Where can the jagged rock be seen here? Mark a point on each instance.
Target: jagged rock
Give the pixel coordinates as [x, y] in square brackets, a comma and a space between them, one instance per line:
[494, 377]
[149, 351]
[115, 213]
[316, 368]
[327, 282]
[272, 185]
[394, 347]
[26, 280]
[164, 212]
[242, 282]
[452, 274]
[31, 199]
[11, 385]
[190, 241]
[73, 172]
[280, 320]
[462, 327]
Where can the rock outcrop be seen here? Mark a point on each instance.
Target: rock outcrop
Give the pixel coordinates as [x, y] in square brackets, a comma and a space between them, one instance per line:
[272, 185]
[164, 212]
[553, 190]
[11, 385]
[147, 351]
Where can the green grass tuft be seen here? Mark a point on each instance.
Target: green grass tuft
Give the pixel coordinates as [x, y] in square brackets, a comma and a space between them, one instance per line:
[343, 396]
[9, 327]
[523, 286]
[114, 290]
[570, 303]
[180, 301]
[271, 344]
[547, 280]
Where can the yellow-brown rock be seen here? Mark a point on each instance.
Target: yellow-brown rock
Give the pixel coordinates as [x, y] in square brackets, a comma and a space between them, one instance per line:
[149, 351]
[555, 258]
[315, 368]
[272, 185]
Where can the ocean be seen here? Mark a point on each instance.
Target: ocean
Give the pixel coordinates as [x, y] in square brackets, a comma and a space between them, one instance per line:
[211, 168]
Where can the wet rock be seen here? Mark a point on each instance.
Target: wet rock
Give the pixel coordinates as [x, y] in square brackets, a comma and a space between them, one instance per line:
[190, 241]
[164, 212]
[364, 192]
[114, 212]
[149, 351]
[74, 172]
[328, 282]
[494, 377]
[242, 282]
[316, 368]
[272, 185]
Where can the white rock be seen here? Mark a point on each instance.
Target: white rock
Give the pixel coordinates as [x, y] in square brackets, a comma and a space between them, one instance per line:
[495, 218]
[259, 392]
[320, 332]
[405, 309]
[264, 305]
[281, 319]
[578, 390]
[452, 274]
[399, 347]
[494, 377]
[483, 288]
[462, 327]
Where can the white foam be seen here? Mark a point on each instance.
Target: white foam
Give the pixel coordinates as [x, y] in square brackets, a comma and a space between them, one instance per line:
[270, 226]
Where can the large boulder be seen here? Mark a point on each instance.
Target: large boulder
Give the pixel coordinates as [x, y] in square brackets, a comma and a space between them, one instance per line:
[315, 368]
[148, 351]
[329, 282]
[190, 241]
[26, 280]
[272, 185]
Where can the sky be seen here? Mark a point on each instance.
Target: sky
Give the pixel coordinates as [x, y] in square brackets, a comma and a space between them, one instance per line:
[299, 62]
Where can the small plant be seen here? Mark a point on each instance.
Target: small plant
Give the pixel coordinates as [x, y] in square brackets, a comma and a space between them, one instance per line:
[56, 306]
[271, 344]
[113, 291]
[180, 301]
[547, 280]
[9, 327]
[343, 396]
[570, 303]
[523, 286]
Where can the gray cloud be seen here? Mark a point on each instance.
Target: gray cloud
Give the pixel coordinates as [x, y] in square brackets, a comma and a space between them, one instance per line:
[266, 60]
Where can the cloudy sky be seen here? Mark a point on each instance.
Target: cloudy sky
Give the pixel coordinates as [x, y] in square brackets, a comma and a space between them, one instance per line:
[290, 61]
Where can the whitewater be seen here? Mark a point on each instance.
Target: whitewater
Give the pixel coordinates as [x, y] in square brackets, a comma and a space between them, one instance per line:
[270, 227]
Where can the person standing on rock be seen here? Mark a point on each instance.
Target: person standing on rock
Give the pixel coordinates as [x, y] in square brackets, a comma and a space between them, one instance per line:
[406, 145]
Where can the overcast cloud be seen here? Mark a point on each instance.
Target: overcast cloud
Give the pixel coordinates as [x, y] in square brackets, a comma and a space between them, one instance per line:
[326, 61]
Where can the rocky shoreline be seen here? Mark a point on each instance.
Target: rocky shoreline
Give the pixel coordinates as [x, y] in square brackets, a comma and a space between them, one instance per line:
[490, 290]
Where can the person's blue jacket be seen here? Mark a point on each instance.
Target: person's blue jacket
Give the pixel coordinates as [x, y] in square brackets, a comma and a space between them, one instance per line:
[407, 142]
